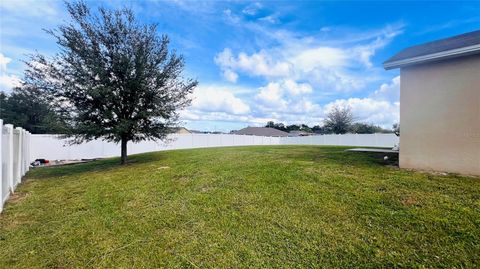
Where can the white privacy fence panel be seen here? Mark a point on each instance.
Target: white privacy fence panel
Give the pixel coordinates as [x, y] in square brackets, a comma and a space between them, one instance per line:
[51, 147]
[14, 159]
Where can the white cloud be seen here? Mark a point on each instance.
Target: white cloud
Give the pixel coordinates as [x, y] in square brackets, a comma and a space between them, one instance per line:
[4, 61]
[252, 9]
[365, 52]
[257, 64]
[230, 17]
[7, 81]
[261, 64]
[270, 19]
[30, 8]
[321, 57]
[230, 75]
[327, 64]
[297, 88]
[331, 80]
[389, 92]
[188, 115]
[272, 96]
[225, 58]
[218, 99]
[325, 29]
[304, 106]
[285, 97]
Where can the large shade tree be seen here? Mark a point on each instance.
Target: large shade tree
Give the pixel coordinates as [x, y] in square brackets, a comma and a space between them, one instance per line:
[115, 78]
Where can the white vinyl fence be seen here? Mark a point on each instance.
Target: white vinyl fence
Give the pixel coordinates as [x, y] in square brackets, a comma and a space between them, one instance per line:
[50, 147]
[14, 157]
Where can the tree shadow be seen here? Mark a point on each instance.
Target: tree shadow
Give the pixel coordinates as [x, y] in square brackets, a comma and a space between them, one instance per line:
[103, 165]
[388, 159]
[339, 155]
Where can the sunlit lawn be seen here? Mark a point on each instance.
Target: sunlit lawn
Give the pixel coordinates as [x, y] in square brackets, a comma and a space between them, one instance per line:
[244, 207]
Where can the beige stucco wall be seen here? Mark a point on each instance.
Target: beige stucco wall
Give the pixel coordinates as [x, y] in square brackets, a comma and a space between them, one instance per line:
[440, 116]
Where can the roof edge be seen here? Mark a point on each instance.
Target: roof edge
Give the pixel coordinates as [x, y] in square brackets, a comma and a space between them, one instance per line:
[433, 57]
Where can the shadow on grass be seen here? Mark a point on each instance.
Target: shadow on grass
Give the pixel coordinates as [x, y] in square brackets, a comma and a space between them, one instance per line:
[102, 165]
[365, 158]
[339, 156]
[379, 158]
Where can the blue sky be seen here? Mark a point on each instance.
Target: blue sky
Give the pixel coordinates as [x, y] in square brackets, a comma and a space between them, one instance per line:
[255, 61]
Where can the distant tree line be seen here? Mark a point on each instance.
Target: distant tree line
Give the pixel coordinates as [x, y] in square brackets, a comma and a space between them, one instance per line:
[288, 128]
[31, 109]
[338, 121]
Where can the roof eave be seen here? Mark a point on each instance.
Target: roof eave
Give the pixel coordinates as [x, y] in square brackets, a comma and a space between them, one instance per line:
[433, 57]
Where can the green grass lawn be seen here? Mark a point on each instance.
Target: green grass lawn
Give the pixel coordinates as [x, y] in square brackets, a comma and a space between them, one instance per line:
[244, 207]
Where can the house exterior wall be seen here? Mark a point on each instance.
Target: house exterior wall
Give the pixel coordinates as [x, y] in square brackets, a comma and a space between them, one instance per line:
[440, 116]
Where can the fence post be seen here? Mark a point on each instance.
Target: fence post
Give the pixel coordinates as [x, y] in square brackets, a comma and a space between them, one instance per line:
[20, 146]
[23, 152]
[19, 156]
[9, 131]
[27, 151]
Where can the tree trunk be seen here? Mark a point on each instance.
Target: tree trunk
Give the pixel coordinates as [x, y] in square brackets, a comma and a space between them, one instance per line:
[124, 151]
